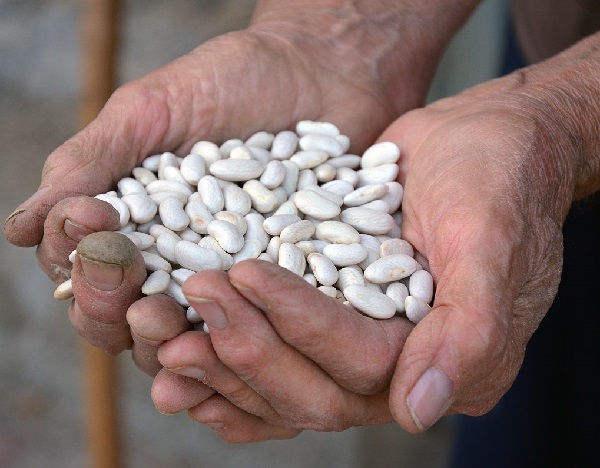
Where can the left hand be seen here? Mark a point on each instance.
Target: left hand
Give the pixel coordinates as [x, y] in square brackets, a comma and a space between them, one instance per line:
[281, 356]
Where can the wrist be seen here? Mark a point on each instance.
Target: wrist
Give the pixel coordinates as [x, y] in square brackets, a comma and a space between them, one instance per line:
[394, 45]
[564, 94]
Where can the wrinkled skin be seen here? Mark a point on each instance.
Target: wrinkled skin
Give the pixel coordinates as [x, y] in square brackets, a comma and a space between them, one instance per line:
[488, 182]
[298, 74]
[174, 107]
[495, 251]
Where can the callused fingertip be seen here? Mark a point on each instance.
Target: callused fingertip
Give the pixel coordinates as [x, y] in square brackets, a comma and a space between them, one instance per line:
[430, 398]
[104, 256]
[17, 230]
[108, 247]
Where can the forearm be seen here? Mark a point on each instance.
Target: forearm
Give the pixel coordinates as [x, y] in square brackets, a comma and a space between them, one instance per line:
[563, 95]
[575, 100]
[389, 39]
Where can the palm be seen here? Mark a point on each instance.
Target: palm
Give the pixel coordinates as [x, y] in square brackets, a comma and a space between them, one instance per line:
[496, 263]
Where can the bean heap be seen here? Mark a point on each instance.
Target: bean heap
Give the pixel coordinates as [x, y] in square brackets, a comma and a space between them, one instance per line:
[297, 199]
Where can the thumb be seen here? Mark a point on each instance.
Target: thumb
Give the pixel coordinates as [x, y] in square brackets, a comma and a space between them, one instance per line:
[462, 357]
[87, 164]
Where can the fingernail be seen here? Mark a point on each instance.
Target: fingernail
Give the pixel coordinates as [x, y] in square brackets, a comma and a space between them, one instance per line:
[75, 231]
[102, 276]
[210, 311]
[189, 371]
[216, 426]
[430, 398]
[250, 294]
[33, 198]
[14, 214]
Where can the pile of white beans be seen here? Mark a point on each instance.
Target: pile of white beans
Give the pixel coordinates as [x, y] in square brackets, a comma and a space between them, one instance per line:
[297, 199]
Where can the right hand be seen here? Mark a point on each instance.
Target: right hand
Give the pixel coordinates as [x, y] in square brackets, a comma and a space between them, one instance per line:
[267, 77]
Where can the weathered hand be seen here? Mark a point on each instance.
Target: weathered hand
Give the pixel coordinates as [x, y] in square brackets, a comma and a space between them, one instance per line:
[281, 356]
[489, 177]
[299, 66]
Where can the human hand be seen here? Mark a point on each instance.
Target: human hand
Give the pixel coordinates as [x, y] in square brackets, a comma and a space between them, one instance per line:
[494, 248]
[281, 357]
[302, 62]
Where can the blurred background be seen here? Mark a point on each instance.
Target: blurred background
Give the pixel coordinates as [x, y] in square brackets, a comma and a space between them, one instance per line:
[42, 408]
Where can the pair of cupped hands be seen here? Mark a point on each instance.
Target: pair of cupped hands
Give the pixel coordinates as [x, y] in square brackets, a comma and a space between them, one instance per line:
[281, 357]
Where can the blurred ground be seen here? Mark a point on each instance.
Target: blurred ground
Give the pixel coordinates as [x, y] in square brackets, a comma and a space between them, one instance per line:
[41, 405]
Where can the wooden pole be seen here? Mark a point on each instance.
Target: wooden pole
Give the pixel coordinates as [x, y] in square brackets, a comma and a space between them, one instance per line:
[99, 30]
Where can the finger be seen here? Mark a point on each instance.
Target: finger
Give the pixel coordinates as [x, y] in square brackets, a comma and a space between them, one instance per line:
[67, 223]
[89, 163]
[235, 425]
[358, 352]
[298, 389]
[172, 393]
[192, 355]
[107, 276]
[154, 320]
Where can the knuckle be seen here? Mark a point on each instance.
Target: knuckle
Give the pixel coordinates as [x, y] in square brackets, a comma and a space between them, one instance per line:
[325, 415]
[247, 357]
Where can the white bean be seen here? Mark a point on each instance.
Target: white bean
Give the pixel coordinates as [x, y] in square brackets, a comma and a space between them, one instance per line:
[196, 258]
[292, 258]
[273, 174]
[316, 205]
[156, 283]
[318, 142]
[420, 285]
[181, 275]
[370, 302]
[211, 193]
[345, 254]
[416, 309]
[193, 168]
[141, 207]
[237, 170]
[323, 268]
[172, 214]
[226, 148]
[273, 225]
[236, 200]
[208, 150]
[211, 243]
[306, 127]
[227, 235]
[390, 268]
[143, 175]
[398, 292]
[337, 232]
[380, 153]
[367, 221]
[260, 140]
[118, 205]
[309, 158]
[284, 145]
[296, 232]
